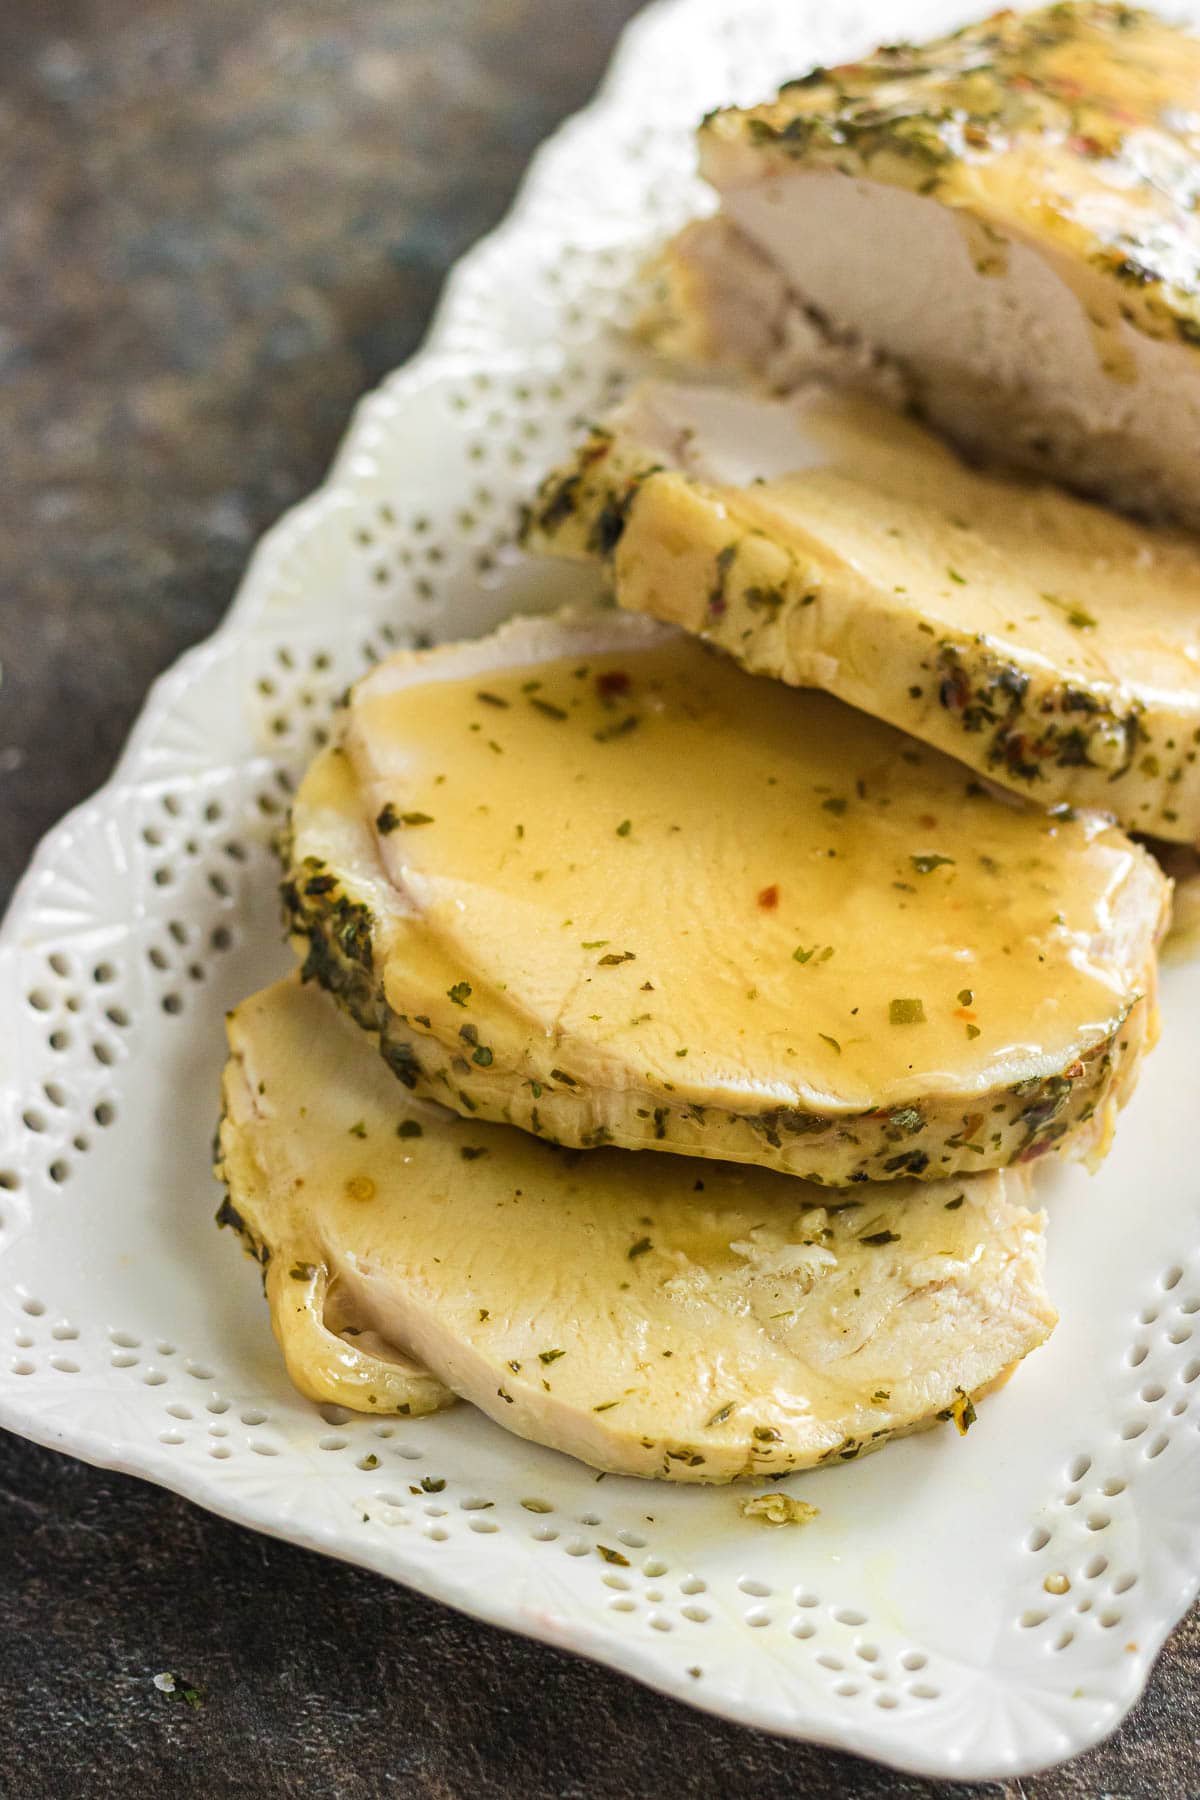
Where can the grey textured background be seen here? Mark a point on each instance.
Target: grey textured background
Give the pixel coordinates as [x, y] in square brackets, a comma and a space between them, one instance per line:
[222, 220]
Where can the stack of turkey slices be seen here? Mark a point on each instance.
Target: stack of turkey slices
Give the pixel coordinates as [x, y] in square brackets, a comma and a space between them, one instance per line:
[672, 1047]
[686, 1044]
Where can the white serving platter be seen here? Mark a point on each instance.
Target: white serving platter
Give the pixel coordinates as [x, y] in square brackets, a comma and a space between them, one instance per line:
[914, 1621]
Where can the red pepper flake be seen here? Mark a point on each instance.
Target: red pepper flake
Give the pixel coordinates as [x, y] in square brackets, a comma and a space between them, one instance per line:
[610, 682]
[927, 822]
[955, 690]
[964, 1012]
[768, 899]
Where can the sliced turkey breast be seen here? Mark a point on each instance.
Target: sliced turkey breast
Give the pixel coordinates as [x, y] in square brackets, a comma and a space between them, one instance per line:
[588, 878]
[651, 1315]
[1008, 215]
[1050, 644]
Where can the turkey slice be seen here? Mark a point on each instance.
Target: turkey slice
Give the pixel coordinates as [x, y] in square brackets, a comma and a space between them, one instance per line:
[588, 878]
[1007, 215]
[1051, 645]
[648, 1314]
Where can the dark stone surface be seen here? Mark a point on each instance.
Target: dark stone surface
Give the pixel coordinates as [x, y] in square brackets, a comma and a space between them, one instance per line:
[222, 222]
